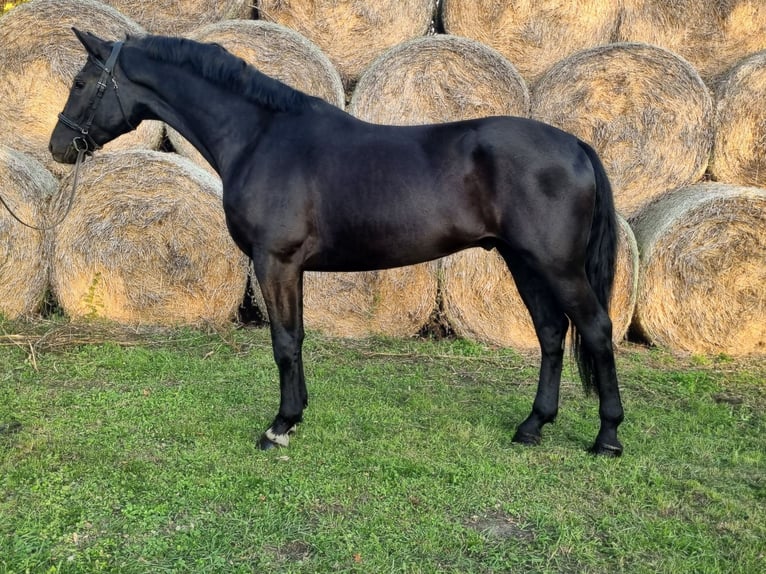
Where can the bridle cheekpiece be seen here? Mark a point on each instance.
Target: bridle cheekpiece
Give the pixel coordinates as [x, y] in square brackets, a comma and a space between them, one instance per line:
[84, 143]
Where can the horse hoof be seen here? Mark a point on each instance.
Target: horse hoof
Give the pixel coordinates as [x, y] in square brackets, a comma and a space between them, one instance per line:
[608, 450]
[270, 439]
[527, 439]
[265, 443]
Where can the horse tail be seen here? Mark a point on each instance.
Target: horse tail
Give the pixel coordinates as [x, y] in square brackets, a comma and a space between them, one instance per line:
[600, 257]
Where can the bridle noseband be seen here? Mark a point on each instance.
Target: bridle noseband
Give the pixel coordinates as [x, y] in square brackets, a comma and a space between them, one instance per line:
[84, 143]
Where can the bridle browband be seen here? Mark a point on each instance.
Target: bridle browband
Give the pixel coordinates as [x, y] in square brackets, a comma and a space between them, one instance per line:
[84, 143]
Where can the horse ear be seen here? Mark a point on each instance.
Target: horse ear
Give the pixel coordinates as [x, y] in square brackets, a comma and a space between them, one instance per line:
[95, 46]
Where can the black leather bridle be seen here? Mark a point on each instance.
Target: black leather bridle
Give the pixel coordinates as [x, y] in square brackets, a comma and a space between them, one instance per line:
[84, 143]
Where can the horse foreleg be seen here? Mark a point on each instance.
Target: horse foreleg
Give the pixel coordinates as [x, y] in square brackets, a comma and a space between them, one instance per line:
[282, 289]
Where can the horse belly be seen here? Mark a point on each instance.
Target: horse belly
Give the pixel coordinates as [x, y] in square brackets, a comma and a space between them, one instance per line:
[368, 256]
[407, 236]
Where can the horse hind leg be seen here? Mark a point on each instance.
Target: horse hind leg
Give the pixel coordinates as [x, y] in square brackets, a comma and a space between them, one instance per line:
[551, 327]
[594, 328]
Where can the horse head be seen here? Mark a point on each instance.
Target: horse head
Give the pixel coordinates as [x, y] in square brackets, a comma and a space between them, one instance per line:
[95, 111]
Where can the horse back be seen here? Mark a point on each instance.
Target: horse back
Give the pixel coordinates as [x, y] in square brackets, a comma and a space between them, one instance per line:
[348, 195]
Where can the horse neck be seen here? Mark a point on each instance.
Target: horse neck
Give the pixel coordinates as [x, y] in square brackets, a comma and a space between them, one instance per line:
[208, 116]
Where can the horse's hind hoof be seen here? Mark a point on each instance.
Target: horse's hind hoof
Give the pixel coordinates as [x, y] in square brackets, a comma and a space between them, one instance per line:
[608, 450]
[527, 439]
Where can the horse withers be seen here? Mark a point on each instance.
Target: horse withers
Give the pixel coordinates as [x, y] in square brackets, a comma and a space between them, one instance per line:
[307, 186]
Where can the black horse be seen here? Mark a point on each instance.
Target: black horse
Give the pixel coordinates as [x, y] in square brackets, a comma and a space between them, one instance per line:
[306, 186]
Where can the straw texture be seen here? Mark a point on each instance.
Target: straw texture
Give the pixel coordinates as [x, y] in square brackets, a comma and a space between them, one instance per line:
[146, 243]
[702, 280]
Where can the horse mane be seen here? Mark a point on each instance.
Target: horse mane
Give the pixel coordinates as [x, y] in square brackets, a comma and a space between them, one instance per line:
[217, 65]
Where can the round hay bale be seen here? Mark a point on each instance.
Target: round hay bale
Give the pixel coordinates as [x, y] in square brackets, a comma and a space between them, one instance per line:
[27, 188]
[481, 301]
[175, 17]
[533, 34]
[146, 243]
[352, 32]
[39, 58]
[276, 51]
[644, 109]
[713, 36]
[393, 302]
[438, 79]
[702, 280]
[739, 150]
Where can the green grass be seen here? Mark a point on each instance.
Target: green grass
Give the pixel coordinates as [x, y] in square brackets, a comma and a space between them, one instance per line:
[136, 453]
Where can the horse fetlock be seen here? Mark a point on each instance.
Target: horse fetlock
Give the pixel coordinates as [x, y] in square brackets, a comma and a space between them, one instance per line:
[545, 416]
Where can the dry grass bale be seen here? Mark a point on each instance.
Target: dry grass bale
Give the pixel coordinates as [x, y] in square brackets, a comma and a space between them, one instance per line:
[352, 32]
[146, 243]
[702, 280]
[277, 52]
[739, 151]
[27, 188]
[39, 58]
[175, 17]
[713, 36]
[533, 34]
[438, 79]
[644, 109]
[481, 301]
[394, 302]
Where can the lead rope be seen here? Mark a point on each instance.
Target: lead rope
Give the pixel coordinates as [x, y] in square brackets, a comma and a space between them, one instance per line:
[81, 151]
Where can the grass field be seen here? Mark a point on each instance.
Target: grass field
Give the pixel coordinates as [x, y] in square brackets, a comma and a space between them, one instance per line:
[135, 453]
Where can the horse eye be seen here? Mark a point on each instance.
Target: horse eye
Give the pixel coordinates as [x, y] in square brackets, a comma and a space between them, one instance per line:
[79, 84]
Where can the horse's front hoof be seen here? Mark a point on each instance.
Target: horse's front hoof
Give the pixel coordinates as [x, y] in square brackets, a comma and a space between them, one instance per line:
[606, 449]
[271, 439]
[265, 443]
[527, 439]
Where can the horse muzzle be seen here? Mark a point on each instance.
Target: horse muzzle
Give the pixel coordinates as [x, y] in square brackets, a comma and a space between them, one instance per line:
[69, 152]
[65, 155]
